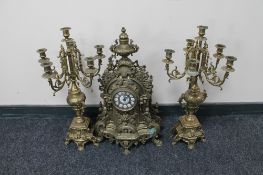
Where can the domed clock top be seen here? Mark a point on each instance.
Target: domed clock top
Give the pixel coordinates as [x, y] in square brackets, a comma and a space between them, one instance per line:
[124, 47]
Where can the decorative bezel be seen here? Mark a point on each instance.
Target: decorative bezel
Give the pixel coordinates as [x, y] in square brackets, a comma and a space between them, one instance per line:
[124, 90]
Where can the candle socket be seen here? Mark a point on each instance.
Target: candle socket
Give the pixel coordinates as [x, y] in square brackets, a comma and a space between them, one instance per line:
[48, 70]
[45, 63]
[219, 53]
[230, 60]
[202, 30]
[229, 64]
[42, 52]
[168, 56]
[220, 48]
[100, 54]
[90, 61]
[65, 31]
[99, 49]
[169, 53]
[190, 43]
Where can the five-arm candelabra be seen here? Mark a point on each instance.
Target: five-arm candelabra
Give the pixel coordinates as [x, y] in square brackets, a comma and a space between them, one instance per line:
[72, 73]
[197, 66]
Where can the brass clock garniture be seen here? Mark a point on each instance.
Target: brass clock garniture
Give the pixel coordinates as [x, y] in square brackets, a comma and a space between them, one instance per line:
[126, 114]
[73, 73]
[197, 67]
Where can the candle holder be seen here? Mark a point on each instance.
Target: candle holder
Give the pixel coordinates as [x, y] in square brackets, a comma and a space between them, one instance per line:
[197, 67]
[73, 73]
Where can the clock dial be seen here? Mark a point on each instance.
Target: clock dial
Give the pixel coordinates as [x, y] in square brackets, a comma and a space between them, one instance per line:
[124, 100]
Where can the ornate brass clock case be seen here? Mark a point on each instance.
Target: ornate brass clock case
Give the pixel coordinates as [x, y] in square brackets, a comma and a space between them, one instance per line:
[126, 114]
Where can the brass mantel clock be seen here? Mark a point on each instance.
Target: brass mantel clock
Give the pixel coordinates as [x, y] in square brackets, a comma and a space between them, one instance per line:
[126, 114]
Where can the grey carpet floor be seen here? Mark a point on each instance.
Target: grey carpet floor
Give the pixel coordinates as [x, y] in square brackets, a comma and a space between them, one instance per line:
[35, 146]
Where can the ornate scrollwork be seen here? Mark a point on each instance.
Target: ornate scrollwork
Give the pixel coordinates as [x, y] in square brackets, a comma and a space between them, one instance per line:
[72, 73]
[197, 61]
[135, 125]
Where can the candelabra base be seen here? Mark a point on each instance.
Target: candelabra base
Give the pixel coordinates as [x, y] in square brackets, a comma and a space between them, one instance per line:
[80, 133]
[189, 130]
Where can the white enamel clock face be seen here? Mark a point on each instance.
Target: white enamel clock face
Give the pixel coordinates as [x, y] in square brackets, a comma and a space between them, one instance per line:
[124, 100]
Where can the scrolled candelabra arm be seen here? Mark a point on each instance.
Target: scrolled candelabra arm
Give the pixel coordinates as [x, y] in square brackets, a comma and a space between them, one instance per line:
[215, 80]
[57, 85]
[91, 71]
[99, 57]
[211, 74]
[50, 73]
[58, 82]
[174, 74]
[86, 81]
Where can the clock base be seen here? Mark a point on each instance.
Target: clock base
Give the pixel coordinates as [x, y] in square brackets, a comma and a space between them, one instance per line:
[80, 133]
[189, 130]
[127, 135]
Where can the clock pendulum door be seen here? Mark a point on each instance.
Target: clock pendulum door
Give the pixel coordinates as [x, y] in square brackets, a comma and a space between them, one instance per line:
[126, 114]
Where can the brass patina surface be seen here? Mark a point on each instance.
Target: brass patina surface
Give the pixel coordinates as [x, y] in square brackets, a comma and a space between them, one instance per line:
[126, 114]
[72, 73]
[197, 67]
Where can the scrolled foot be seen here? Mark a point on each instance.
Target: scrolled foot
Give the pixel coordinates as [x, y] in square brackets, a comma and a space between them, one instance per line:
[191, 145]
[80, 146]
[126, 151]
[66, 141]
[175, 139]
[96, 141]
[157, 141]
[99, 138]
[203, 139]
[96, 144]
[111, 139]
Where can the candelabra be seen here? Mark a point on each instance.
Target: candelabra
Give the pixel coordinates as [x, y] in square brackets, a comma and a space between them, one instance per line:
[72, 73]
[197, 66]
